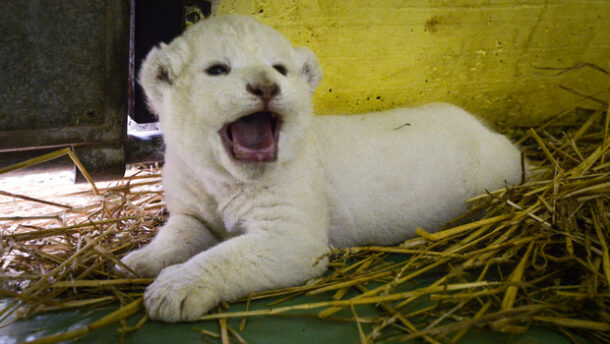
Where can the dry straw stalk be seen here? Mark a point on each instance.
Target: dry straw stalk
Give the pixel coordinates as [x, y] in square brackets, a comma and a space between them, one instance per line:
[539, 256]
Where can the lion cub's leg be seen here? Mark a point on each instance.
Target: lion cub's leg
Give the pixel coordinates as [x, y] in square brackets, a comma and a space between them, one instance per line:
[178, 240]
[234, 268]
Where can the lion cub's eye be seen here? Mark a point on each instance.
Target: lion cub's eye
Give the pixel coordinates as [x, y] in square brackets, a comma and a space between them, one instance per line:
[281, 69]
[217, 69]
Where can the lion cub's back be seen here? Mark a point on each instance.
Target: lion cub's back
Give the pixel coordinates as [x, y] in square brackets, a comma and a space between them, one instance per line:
[392, 171]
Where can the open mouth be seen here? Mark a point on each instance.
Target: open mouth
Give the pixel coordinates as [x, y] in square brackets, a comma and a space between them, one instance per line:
[253, 138]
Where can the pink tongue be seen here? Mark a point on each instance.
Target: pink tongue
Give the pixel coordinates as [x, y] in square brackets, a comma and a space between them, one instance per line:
[253, 137]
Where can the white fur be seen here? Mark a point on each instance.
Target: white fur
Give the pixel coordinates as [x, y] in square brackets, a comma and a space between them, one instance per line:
[237, 228]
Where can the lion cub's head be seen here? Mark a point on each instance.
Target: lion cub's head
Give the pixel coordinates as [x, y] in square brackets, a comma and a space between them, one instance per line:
[232, 93]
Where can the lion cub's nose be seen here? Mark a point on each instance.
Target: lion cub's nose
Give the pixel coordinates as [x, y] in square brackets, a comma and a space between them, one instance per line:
[264, 91]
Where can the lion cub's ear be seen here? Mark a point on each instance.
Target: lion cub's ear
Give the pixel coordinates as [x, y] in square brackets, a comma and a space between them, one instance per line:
[160, 69]
[309, 67]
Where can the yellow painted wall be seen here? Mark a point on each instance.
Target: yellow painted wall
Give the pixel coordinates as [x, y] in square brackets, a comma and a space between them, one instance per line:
[483, 55]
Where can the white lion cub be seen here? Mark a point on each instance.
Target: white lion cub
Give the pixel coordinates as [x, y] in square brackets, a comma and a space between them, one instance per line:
[258, 187]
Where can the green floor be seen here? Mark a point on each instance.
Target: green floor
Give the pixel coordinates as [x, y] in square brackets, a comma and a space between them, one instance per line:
[271, 329]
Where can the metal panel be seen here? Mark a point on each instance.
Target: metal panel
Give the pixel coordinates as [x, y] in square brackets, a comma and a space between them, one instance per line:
[68, 77]
[64, 73]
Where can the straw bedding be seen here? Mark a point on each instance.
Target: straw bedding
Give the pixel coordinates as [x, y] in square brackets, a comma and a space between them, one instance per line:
[538, 256]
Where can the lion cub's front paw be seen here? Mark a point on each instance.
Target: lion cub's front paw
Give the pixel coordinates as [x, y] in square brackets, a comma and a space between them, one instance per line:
[177, 296]
[145, 262]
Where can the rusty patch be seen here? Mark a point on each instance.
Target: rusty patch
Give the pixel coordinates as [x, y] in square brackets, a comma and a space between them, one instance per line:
[432, 24]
